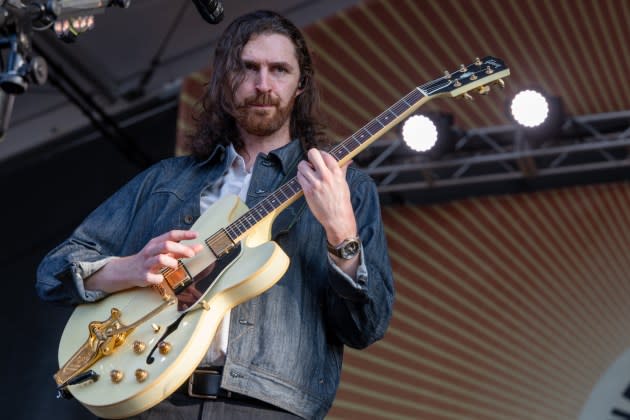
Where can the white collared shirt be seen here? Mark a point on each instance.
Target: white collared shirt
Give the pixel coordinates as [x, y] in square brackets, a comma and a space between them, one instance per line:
[235, 181]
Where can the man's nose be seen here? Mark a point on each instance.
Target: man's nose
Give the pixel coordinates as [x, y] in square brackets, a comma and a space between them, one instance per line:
[262, 80]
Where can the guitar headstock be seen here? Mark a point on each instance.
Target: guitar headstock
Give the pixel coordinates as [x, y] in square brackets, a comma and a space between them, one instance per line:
[476, 76]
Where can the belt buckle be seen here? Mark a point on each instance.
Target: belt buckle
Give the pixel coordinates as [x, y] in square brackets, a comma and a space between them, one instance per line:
[191, 380]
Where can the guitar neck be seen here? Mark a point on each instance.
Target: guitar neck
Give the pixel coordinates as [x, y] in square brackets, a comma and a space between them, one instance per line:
[453, 84]
[343, 152]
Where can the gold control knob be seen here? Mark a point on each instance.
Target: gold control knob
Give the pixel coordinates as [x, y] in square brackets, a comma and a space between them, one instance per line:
[164, 347]
[141, 375]
[139, 347]
[116, 376]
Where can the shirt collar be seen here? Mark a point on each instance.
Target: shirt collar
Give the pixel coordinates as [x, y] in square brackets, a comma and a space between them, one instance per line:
[288, 155]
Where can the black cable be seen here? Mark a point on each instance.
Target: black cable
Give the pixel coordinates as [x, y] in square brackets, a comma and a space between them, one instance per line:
[155, 61]
[97, 116]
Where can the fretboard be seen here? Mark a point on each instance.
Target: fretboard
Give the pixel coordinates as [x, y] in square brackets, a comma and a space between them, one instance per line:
[344, 151]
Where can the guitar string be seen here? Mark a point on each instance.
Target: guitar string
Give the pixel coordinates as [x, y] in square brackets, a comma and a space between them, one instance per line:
[291, 188]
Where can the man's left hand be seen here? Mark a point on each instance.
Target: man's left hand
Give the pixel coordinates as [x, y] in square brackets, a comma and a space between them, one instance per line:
[328, 195]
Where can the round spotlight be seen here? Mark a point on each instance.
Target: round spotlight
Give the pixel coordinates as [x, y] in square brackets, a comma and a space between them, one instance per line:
[529, 108]
[420, 133]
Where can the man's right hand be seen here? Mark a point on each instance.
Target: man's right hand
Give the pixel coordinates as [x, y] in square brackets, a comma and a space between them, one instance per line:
[143, 269]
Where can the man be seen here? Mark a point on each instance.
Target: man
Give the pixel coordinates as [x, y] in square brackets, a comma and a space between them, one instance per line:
[279, 353]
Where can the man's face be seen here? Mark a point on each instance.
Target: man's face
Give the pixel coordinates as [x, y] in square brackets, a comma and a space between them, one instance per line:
[264, 100]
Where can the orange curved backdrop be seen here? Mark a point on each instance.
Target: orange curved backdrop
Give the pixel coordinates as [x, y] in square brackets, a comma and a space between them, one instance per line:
[507, 307]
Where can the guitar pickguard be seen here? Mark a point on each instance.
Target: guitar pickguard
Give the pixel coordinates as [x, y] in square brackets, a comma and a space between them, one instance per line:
[189, 296]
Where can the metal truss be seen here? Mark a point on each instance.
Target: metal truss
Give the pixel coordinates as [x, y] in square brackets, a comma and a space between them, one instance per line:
[581, 145]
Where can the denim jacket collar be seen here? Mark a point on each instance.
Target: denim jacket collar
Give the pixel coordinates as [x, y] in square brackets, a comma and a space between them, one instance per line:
[218, 153]
[285, 155]
[288, 155]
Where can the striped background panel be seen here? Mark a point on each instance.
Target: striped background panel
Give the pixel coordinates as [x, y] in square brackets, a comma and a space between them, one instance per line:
[369, 56]
[507, 307]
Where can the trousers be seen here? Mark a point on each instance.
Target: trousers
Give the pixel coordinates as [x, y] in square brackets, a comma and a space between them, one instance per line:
[181, 407]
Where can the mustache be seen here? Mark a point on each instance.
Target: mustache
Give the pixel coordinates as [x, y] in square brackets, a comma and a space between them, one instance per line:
[263, 99]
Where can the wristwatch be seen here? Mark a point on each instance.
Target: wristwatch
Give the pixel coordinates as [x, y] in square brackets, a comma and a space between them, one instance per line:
[347, 250]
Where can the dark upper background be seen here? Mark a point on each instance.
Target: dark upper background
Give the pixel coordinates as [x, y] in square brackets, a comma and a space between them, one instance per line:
[56, 164]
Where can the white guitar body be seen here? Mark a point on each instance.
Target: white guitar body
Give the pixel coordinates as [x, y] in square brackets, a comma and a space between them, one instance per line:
[259, 266]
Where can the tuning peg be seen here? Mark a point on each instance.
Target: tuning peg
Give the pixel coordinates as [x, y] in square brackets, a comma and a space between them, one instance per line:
[447, 74]
[477, 61]
[500, 83]
[489, 70]
[483, 90]
[462, 68]
[468, 97]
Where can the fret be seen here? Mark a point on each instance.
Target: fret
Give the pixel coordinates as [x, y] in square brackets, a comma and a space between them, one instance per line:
[378, 120]
[245, 220]
[386, 117]
[374, 126]
[283, 193]
[363, 134]
[404, 100]
[345, 147]
[262, 209]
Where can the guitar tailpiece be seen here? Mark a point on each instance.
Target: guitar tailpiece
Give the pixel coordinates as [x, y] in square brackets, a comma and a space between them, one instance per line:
[62, 390]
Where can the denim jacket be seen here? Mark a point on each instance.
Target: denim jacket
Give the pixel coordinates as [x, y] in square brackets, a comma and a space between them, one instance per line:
[285, 345]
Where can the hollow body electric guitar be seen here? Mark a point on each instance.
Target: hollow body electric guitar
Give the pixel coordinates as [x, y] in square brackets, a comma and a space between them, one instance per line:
[126, 353]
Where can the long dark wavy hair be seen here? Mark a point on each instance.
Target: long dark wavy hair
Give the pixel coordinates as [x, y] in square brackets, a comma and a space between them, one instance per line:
[216, 124]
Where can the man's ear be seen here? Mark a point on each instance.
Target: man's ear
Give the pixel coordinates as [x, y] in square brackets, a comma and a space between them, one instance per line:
[300, 86]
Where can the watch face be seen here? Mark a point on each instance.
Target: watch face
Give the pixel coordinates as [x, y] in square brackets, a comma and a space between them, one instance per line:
[350, 249]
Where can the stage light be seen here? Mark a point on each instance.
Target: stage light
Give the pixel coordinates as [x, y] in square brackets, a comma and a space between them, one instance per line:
[529, 108]
[69, 29]
[420, 133]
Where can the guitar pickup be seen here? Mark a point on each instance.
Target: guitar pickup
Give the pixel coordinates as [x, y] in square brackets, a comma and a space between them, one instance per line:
[177, 279]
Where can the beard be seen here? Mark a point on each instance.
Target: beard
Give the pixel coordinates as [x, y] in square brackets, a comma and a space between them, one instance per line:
[262, 122]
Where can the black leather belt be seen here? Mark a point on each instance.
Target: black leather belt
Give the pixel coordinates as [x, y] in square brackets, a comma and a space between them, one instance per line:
[205, 383]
